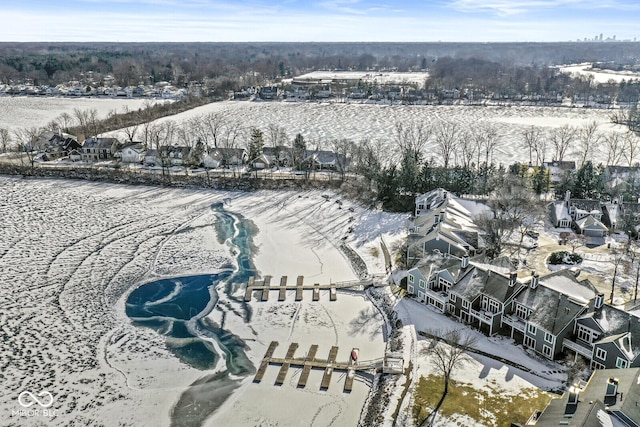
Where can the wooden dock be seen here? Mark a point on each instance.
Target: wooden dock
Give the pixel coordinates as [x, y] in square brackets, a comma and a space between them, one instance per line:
[285, 366]
[306, 370]
[264, 287]
[328, 371]
[310, 362]
[283, 289]
[249, 290]
[299, 288]
[265, 362]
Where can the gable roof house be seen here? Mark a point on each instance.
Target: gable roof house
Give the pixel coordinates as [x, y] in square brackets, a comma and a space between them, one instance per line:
[279, 156]
[173, 155]
[324, 159]
[559, 169]
[543, 313]
[585, 216]
[99, 149]
[233, 156]
[473, 292]
[618, 177]
[444, 224]
[133, 152]
[608, 336]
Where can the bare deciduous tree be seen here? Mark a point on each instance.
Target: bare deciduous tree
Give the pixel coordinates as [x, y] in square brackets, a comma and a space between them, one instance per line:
[588, 141]
[29, 143]
[5, 140]
[446, 355]
[487, 140]
[561, 139]
[631, 147]
[130, 131]
[530, 140]
[446, 138]
[613, 144]
[466, 148]
[412, 138]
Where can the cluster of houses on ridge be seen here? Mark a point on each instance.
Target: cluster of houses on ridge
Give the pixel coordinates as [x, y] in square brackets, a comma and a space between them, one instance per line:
[349, 89]
[554, 314]
[163, 90]
[58, 145]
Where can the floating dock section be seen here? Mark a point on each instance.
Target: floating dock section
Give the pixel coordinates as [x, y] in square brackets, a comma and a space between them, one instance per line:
[264, 287]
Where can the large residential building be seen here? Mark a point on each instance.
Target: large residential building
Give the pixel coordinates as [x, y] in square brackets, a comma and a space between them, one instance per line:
[552, 315]
[444, 223]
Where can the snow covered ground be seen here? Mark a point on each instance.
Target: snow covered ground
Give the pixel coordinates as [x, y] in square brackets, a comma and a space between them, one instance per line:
[27, 111]
[599, 76]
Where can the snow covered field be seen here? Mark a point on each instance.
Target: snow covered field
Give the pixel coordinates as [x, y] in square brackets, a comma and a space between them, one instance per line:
[599, 76]
[26, 111]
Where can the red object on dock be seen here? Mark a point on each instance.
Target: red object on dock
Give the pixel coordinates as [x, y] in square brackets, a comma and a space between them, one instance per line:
[354, 354]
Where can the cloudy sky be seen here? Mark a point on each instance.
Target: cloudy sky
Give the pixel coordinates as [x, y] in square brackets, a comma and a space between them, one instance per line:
[321, 20]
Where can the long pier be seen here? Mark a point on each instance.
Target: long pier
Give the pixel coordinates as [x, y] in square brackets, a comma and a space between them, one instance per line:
[264, 287]
[310, 362]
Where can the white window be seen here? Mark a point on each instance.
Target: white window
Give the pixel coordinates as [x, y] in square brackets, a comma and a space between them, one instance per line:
[421, 295]
[411, 278]
[548, 337]
[546, 350]
[465, 303]
[531, 329]
[490, 304]
[522, 311]
[601, 354]
[452, 297]
[529, 342]
[451, 308]
[421, 284]
[622, 363]
[585, 334]
[596, 365]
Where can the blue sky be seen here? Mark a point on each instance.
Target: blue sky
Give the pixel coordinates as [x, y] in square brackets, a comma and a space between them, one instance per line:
[322, 20]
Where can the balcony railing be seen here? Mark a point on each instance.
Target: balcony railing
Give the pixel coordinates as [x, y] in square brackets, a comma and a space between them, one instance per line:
[440, 296]
[514, 321]
[482, 315]
[578, 348]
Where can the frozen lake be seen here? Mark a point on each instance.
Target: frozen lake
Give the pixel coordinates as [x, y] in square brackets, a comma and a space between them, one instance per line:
[27, 111]
[321, 123]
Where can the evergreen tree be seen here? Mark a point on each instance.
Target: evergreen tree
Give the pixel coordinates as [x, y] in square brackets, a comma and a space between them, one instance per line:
[256, 144]
[298, 151]
[589, 183]
[541, 180]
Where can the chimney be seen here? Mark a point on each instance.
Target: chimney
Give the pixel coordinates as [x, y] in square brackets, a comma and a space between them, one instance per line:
[599, 301]
[567, 196]
[512, 278]
[535, 279]
[464, 261]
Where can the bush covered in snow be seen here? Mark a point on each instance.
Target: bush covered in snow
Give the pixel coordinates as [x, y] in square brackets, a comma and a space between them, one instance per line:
[564, 257]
